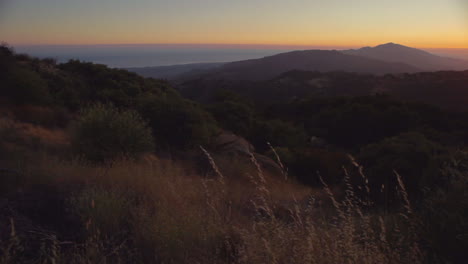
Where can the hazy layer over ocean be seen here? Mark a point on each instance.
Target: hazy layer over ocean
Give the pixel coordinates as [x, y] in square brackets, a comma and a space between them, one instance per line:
[143, 55]
[146, 55]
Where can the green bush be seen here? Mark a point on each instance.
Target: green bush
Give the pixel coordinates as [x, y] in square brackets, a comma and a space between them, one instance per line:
[233, 116]
[24, 86]
[89, 82]
[278, 133]
[177, 122]
[305, 164]
[445, 211]
[412, 155]
[103, 133]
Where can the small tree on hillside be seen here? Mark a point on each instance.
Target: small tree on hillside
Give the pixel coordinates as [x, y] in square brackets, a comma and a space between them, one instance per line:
[104, 133]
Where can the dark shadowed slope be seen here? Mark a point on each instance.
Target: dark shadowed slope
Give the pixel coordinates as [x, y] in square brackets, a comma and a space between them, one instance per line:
[307, 60]
[445, 89]
[391, 52]
[173, 71]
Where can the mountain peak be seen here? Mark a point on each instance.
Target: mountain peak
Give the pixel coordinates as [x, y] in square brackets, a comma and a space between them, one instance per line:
[392, 45]
[393, 52]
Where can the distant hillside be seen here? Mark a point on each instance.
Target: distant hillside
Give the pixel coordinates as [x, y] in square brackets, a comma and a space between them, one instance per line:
[404, 72]
[173, 71]
[388, 58]
[426, 61]
[307, 60]
[446, 89]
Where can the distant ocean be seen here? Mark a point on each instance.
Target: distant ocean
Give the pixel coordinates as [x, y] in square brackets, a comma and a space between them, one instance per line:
[122, 56]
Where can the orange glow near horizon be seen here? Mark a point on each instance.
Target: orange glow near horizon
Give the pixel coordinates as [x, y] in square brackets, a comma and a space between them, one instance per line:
[444, 40]
[275, 23]
[447, 43]
[456, 45]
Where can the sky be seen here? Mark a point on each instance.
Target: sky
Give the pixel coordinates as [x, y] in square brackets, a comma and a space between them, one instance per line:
[337, 23]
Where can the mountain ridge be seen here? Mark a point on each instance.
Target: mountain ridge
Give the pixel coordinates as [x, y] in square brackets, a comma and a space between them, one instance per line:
[392, 52]
[388, 58]
[308, 60]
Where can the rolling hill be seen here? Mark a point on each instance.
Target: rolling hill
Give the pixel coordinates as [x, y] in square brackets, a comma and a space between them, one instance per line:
[306, 60]
[420, 59]
[387, 58]
[173, 71]
[445, 89]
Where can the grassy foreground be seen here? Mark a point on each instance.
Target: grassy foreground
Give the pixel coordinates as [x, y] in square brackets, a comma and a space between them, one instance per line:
[160, 211]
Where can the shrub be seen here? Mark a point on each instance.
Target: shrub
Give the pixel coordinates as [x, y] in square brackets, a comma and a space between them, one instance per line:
[278, 133]
[445, 211]
[24, 86]
[104, 133]
[233, 116]
[412, 155]
[305, 164]
[6, 50]
[177, 122]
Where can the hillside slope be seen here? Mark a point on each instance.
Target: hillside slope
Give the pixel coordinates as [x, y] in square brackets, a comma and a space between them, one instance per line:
[392, 52]
[173, 71]
[445, 89]
[307, 60]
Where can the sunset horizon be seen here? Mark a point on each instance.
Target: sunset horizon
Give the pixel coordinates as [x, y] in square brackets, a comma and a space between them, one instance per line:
[419, 24]
[243, 45]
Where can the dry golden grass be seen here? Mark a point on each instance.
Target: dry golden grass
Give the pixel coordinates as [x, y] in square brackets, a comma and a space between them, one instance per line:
[156, 211]
[25, 131]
